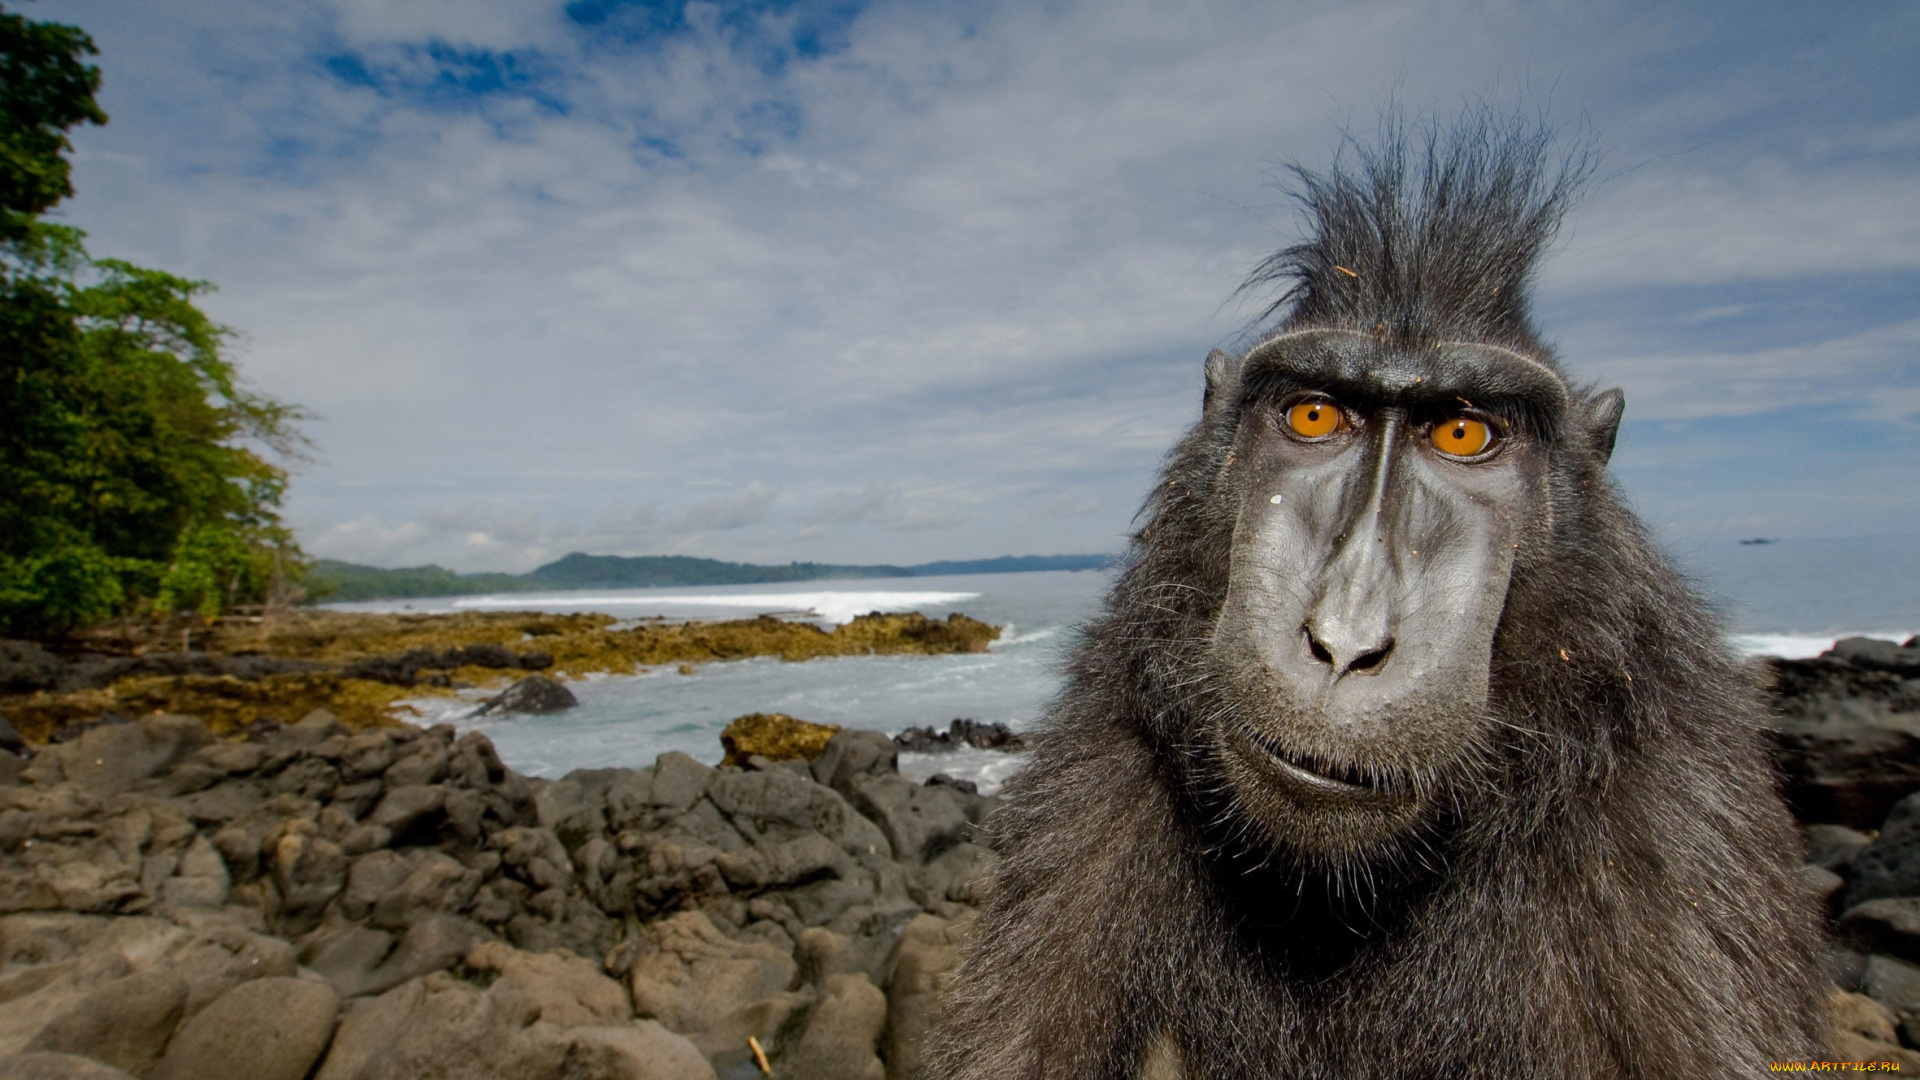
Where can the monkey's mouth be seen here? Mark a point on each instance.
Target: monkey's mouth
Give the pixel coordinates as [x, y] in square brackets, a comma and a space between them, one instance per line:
[1314, 776]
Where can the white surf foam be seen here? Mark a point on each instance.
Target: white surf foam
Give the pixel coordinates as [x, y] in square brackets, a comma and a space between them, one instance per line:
[833, 607]
[986, 768]
[1804, 646]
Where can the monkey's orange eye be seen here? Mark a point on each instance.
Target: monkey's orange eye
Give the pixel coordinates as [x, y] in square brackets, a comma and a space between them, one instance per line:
[1315, 418]
[1463, 436]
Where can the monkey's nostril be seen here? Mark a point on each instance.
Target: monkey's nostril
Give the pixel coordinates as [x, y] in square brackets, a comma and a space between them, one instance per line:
[1367, 663]
[1318, 650]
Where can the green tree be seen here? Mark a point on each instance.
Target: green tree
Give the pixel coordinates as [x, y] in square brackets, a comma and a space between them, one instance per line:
[133, 464]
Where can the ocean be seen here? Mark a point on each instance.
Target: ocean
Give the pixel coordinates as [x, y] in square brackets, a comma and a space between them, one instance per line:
[1786, 598]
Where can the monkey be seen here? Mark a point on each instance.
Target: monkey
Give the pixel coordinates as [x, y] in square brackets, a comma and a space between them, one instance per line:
[1398, 749]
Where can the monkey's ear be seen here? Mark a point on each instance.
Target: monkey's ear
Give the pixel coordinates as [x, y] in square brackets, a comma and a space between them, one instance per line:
[1222, 369]
[1603, 421]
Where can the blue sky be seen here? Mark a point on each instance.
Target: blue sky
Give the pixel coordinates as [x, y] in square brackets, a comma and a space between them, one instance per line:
[900, 282]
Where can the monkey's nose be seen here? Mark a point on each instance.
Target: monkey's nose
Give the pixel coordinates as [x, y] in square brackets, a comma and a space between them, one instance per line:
[1347, 654]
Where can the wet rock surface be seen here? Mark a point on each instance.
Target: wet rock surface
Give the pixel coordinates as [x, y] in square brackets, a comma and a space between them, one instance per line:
[311, 901]
[1848, 746]
[316, 902]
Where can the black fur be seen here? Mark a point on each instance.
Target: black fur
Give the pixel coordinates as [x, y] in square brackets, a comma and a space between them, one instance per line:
[1610, 889]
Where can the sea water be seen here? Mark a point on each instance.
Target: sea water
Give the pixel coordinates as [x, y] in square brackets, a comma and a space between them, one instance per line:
[1789, 598]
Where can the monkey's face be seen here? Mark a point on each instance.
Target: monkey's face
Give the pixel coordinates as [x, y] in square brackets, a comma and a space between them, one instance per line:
[1381, 496]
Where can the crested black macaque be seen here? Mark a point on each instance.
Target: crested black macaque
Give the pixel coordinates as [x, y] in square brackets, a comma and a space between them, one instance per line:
[1399, 751]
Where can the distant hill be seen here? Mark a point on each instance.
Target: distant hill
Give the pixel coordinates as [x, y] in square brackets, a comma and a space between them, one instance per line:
[332, 580]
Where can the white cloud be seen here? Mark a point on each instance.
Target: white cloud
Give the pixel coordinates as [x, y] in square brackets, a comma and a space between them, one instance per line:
[987, 260]
[737, 511]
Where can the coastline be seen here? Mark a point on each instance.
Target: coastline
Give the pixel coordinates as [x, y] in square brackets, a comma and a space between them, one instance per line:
[361, 667]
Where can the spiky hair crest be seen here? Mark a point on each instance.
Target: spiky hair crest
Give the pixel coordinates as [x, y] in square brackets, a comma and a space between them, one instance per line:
[1427, 234]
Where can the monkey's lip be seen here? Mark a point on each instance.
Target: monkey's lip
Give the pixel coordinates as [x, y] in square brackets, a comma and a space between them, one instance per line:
[1352, 785]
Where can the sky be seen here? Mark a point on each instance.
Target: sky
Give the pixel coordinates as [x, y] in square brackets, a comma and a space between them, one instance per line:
[897, 282]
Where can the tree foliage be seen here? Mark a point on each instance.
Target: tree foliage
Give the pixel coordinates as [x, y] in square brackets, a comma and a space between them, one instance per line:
[134, 466]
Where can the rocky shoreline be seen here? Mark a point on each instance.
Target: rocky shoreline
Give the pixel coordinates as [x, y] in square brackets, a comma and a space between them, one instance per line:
[394, 902]
[361, 667]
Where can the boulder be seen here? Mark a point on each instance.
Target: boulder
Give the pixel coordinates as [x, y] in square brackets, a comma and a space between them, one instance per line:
[1890, 925]
[919, 822]
[111, 759]
[26, 667]
[638, 1051]
[716, 991]
[1878, 654]
[1846, 771]
[562, 990]
[1833, 847]
[269, 1029]
[10, 738]
[451, 1030]
[1893, 983]
[124, 1023]
[774, 736]
[1890, 865]
[42, 1065]
[533, 694]
[961, 732]
[917, 975]
[854, 753]
[436, 882]
[842, 1033]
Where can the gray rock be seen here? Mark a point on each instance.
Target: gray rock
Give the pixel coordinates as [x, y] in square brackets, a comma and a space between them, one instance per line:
[639, 1051]
[366, 755]
[202, 880]
[111, 759]
[10, 737]
[536, 856]
[436, 883]
[426, 763]
[1847, 771]
[435, 943]
[1834, 846]
[558, 989]
[310, 872]
[852, 753]
[1889, 925]
[1822, 884]
[26, 667]
[347, 956]
[224, 803]
[1877, 654]
[809, 858]
[543, 1017]
[533, 694]
[1893, 983]
[1890, 865]
[919, 822]
[124, 1024]
[12, 766]
[364, 838]
[371, 877]
[406, 804]
[917, 975]
[842, 1033]
[311, 730]
[678, 781]
[40, 1065]
[232, 758]
[716, 991]
[269, 1029]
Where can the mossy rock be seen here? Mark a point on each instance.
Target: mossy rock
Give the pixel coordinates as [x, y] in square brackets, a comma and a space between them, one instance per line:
[774, 736]
[579, 645]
